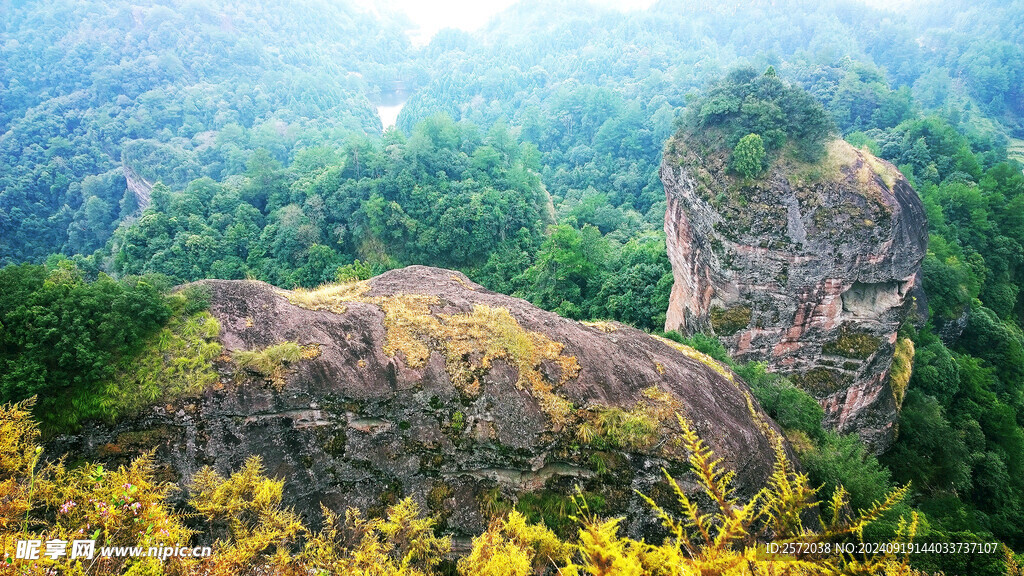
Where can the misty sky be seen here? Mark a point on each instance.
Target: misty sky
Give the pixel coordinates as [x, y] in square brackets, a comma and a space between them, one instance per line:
[469, 15]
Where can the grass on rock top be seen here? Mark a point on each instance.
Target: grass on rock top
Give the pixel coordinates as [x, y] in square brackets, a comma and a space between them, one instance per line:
[272, 362]
[469, 341]
[840, 158]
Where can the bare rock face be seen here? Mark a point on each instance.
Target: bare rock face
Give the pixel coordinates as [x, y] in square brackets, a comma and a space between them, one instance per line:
[810, 268]
[139, 187]
[421, 383]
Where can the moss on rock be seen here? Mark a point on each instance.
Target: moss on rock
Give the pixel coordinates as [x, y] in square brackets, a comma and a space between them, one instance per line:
[469, 341]
[820, 381]
[728, 321]
[852, 344]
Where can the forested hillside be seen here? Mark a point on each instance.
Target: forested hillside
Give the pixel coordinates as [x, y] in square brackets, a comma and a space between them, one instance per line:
[149, 144]
[169, 92]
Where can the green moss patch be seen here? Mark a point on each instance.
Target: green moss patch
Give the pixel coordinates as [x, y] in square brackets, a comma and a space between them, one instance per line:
[728, 321]
[820, 381]
[851, 344]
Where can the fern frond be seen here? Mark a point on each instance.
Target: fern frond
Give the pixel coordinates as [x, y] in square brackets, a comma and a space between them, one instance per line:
[838, 505]
[737, 527]
[788, 495]
[893, 498]
[712, 479]
[695, 518]
[680, 536]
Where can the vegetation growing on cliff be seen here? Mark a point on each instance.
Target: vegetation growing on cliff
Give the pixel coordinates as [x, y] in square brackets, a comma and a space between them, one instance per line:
[256, 122]
[830, 459]
[610, 427]
[959, 436]
[902, 369]
[470, 341]
[98, 347]
[129, 507]
[272, 362]
[852, 344]
[176, 361]
[728, 321]
[747, 108]
[749, 157]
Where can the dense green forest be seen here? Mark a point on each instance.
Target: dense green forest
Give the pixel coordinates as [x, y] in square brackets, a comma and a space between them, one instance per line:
[173, 92]
[147, 144]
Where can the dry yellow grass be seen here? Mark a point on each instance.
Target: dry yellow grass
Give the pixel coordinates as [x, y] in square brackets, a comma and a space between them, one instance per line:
[660, 404]
[840, 157]
[839, 154]
[602, 325]
[459, 279]
[700, 357]
[639, 427]
[330, 297]
[494, 333]
[887, 171]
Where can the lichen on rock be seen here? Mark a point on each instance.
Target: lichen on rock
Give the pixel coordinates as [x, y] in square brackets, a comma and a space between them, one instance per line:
[469, 341]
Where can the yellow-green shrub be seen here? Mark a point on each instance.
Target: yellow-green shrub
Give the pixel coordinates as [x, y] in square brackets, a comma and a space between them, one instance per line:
[513, 547]
[123, 507]
[902, 367]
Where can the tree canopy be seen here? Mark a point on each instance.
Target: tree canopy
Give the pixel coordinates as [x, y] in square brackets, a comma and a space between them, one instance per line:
[747, 108]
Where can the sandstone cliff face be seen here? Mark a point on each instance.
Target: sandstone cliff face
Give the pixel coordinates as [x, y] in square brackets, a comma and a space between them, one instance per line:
[811, 268]
[421, 383]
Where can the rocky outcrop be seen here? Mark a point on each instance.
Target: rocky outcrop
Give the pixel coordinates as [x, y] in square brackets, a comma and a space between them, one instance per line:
[138, 186]
[420, 382]
[811, 268]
